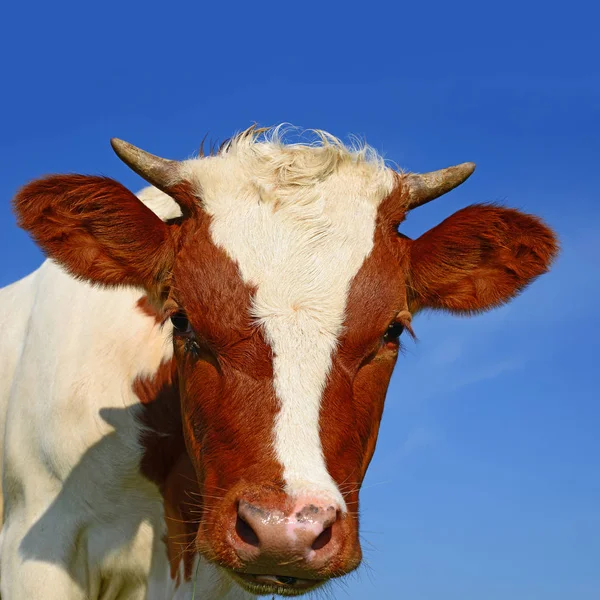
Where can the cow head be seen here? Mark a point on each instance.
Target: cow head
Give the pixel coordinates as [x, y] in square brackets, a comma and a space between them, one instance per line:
[287, 287]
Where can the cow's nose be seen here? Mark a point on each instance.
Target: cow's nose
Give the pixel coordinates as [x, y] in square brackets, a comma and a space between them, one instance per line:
[304, 537]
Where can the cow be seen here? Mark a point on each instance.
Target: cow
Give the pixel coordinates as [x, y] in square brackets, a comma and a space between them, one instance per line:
[192, 383]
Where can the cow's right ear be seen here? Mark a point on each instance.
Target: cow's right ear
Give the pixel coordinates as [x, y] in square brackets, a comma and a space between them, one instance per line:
[96, 229]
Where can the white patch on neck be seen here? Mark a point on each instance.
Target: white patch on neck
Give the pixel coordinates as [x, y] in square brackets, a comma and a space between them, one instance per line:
[299, 221]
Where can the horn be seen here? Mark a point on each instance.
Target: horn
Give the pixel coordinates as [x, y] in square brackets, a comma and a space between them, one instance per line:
[157, 171]
[425, 187]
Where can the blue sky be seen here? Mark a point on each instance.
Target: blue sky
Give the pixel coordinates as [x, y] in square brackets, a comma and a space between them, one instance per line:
[486, 482]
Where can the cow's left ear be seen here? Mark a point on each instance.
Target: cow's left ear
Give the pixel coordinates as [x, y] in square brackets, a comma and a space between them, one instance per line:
[478, 258]
[96, 229]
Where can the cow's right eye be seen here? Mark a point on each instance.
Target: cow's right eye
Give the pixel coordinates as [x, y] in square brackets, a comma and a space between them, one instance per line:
[180, 323]
[393, 333]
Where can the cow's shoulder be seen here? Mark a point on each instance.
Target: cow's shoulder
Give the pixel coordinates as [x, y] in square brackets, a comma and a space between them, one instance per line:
[72, 464]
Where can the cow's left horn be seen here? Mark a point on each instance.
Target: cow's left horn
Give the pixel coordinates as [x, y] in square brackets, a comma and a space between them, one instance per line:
[425, 187]
[158, 171]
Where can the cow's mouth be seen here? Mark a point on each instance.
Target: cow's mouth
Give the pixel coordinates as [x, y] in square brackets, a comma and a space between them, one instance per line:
[282, 585]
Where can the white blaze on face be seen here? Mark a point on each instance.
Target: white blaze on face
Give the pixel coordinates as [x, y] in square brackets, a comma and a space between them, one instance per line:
[299, 221]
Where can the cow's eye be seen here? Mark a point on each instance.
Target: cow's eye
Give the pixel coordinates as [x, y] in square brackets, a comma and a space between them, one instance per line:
[393, 333]
[180, 323]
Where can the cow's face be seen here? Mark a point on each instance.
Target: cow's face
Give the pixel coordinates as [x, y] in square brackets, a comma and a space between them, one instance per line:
[287, 302]
[287, 286]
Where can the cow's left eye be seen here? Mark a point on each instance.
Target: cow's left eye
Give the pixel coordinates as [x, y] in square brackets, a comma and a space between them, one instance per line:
[393, 333]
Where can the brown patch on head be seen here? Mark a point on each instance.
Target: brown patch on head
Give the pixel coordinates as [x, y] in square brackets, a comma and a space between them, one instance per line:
[352, 404]
[213, 405]
[228, 400]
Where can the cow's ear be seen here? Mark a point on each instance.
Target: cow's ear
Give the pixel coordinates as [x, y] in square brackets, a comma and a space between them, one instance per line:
[96, 229]
[478, 258]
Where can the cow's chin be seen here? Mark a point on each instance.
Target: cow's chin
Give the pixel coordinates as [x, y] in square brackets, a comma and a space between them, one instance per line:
[263, 585]
[270, 582]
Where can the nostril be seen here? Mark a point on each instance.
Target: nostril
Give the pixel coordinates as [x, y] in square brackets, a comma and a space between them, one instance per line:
[246, 533]
[322, 539]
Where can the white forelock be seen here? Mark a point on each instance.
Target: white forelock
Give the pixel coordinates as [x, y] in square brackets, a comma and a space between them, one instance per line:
[299, 220]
